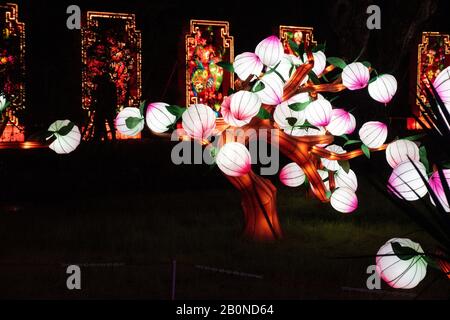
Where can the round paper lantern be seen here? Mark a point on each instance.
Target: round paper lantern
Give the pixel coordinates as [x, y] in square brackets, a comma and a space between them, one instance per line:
[352, 125]
[296, 61]
[373, 134]
[318, 113]
[158, 118]
[292, 175]
[273, 89]
[199, 121]
[285, 68]
[341, 122]
[400, 272]
[346, 180]
[247, 64]
[383, 88]
[438, 188]
[333, 165]
[270, 51]
[442, 85]
[244, 105]
[320, 62]
[406, 181]
[344, 200]
[129, 121]
[283, 112]
[355, 76]
[65, 140]
[401, 151]
[234, 159]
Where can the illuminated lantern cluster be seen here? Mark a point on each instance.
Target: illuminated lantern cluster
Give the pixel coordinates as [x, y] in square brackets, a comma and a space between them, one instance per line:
[438, 188]
[406, 182]
[234, 159]
[401, 272]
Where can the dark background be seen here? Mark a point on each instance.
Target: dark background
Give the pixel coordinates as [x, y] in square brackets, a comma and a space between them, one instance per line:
[53, 51]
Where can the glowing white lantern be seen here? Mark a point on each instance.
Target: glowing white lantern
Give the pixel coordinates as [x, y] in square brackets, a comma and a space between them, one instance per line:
[129, 121]
[438, 188]
[442, 85]
[272, 93]
[333, 165]
[292, 175]
[346, 180]
[320, 131]
[65, 140]
[285, 68]
[355, 76]
[296, 61]
[373, 134]
[247, 64]
[341, 122]
[158, 118]
[283, 112]
[318, 113]
[270, 51]
[401, 272]
[401, 151]
[239, 109]
[406, 181]
[344, 200]
[383, 88]
[199, 121]
[320, 62]
[234, 159]
[352, 125]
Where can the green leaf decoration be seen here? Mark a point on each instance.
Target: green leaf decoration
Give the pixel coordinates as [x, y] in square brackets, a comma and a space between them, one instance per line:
[307, 125]
[294, 46]
[365, 149]
[424, 158]
[337, 62]
[344, 136]
[177, 111]
[299, 106]
[312, 76]
[132, 122]
[263, 114]
[367, 64]
[350, 142]
[415, 137]
[404, 253]
[320, 47]
[226, 66]
[292, 121]
[328, 194]
[142, 108]
[231, 91]
[345, 165]
[259, 86]
[63, 131]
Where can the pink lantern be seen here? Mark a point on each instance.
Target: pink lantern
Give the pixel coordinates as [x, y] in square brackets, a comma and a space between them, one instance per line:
[341, 122]
[270, 51]
[346, 180]
[442, 85]
[247, 64]
[320, 62]
[158, 118]
[401, 151]
[318, 113]
[272, 93]
[234, 159]
[383, 88]
[199, 121]
[292, 175]
[407, 182]
[355, 76]
[239, 109]
[438, 188]
[344, 200]
[373, 134]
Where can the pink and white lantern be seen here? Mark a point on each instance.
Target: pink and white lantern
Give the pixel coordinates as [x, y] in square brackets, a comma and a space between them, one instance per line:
[333, 165]
[123, 124]
[442, 86]
[240, 108]
[234, 159]
[270, 51]
[320, 62]
[438, 188]
[342, 122]
[158, 118]
[344, 200]
[318, 113]
[401, 151]
[246, 64]
[383, 88]
[355, 76]
[283, 112]
[373, 134]
[292, 175]
[272, 93]
[199, 121]
[346, 180]
[407, 182]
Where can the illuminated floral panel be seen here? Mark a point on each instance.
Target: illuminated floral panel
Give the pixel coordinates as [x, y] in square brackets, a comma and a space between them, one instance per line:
[207, 43]
[433, 57]
[299, 35]
[111, 44]
[12, 73]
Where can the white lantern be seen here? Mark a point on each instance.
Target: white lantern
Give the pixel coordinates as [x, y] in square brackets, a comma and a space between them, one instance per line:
[240, 108]
[341, 122]
[373, 134]
[344, 200]
[292, 175]
[346, 180]
[234, 159]
[407, 182]
[158, 118]
[129, 121]
[285, 68]
[320, 131]
[333, 165]
[355, 76]
[401, 151]
[247, 64]
[270, 51]
[352, 125]
[401, 272]
[65, 140]
[283, 112]
[199, 121]
[320, 62]
[383, 88]
[442, 86]
[318, 113]
[272, 93]
[438, 188]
